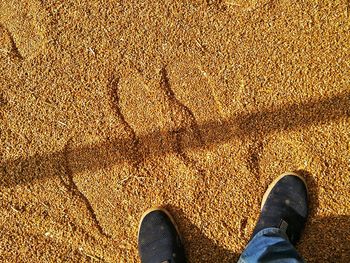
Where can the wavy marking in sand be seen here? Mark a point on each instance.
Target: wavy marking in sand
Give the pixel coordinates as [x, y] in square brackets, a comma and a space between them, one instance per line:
[182, 122]
[68, 181]
[7, 44]
[113, 92]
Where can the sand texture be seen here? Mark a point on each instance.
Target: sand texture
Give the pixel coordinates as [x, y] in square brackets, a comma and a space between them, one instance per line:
[110, 107]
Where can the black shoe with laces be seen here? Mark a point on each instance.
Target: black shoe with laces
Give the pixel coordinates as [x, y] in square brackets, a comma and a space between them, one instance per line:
[158, 239]
[285, 206]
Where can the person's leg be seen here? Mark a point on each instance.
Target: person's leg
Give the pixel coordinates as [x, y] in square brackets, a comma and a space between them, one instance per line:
[284, 210]
[158, 239]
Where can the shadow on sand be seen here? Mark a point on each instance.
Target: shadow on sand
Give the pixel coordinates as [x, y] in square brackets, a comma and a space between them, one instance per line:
[243, 126]
[325, 239]
[199, 248]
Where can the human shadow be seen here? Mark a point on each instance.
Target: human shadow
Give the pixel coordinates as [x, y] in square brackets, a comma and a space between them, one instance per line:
[113, 150]
[198, 247]
[325, 239]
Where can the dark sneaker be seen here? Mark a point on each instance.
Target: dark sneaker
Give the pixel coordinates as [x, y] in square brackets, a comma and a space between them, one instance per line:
[158, 239]
[285, 206]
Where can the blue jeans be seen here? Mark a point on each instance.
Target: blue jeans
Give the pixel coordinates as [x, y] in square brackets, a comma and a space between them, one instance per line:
[270, 245]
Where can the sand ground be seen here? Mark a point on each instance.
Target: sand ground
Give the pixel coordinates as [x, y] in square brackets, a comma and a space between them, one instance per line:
[110, 107]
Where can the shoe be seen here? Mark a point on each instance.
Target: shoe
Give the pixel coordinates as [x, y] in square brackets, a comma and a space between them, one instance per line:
[285, 206]
[158, 238]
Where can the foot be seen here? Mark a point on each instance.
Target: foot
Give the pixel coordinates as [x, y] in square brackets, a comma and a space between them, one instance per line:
[158, 239]
[284, 206]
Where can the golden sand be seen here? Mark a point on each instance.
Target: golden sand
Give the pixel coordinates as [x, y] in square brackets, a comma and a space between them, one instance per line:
[110, 107]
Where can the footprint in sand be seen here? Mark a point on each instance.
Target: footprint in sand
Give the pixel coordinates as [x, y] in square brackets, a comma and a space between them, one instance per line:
[102, 173]
[23, 28]
[215, 108]
[205, 95]
[163, 124]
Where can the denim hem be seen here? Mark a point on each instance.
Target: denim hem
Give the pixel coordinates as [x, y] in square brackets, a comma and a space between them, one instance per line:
[270, 230]
[270, 245]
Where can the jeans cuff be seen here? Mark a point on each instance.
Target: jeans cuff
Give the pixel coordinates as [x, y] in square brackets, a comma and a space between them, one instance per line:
[270, 230]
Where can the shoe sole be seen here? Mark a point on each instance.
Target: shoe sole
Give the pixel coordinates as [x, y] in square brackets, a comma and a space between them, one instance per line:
[272, 185]
[165, 212]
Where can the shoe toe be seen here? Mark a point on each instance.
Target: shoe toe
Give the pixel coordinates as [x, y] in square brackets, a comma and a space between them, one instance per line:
[292, 192]
[159, 240]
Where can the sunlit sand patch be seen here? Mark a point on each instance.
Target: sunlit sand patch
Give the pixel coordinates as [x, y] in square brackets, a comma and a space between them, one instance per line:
[25, 21]
[245, 4]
